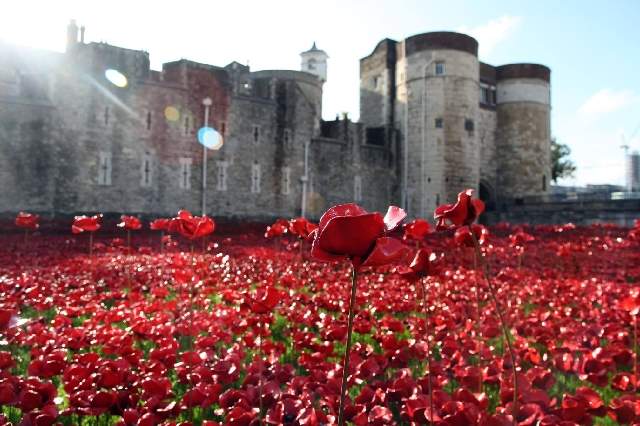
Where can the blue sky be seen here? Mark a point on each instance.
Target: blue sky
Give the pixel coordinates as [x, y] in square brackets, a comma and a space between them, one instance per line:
[592, 48]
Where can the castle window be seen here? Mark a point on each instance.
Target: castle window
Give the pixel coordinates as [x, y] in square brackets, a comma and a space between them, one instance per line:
[255, 178]
[106, 116]
[311, 65]
[185, 173]
[186, 126]
[438, 123]
[223, 128]
[148, 120]
[376, 82]
[256, 134]
[544, 182]
[145, 170]
[286, 137]
[468, 125]
[440, 68]
[221, 184]
[286, 181]
[104, 168]
[357, 188]
[493, 97]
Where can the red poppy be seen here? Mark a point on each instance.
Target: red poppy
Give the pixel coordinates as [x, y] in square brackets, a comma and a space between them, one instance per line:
[27, 220]
[130, 222]
[416, 230]
[278, 229]
[462, 235]
[85, 224]
[190, 226]
[462, 213]
[520, 238]
[301, 227]
[349, 231]
[265, 301]
[8, 319]
[422, 265]
[631, 303]
[159, 224]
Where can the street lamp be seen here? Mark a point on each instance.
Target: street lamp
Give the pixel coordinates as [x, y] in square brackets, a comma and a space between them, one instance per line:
[207, 104]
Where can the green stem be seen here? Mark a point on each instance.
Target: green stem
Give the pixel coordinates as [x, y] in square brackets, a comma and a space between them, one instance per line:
[347, 351]
[503, 323]
[428, 337]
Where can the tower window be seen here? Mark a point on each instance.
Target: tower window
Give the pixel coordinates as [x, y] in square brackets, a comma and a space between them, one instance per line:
[544, 182]
[221, 184]
[286, 137]
[256, 134]
[223, 128]
[357, 188]
[469, 125]
[440, 70]
[186, 126]
[376, 82]
[255, 178]
[104, 168]
[106, 116]
[286, 180]
[146, 171]
[185, 173]
[439, 123]
[311, 65]
[148, 120]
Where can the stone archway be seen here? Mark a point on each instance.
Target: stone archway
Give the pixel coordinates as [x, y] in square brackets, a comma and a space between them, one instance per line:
[488, 195]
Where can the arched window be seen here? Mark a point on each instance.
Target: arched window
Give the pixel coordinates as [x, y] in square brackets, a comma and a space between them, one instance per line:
[311, 65]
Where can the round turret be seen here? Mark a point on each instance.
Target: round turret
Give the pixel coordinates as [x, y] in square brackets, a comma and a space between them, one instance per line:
[523, 141]
[440, 74]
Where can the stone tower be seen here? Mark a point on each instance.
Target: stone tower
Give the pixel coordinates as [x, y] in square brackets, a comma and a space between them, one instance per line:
[314, 61]
[523, 142]
[72, 34]
[437, 104]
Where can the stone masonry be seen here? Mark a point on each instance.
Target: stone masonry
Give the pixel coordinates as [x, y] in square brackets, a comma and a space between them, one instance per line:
[434, 120]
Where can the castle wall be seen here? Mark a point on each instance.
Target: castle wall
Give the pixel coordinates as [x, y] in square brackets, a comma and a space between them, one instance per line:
[377, 85]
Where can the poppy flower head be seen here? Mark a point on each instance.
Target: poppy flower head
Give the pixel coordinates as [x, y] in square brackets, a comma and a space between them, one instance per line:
[159, 224]
[301, 227]
[27, 220]
[424, 263]
[86, 224]
[349, 231]
[130, 223]
[463, 213]
[191, 227]
[463, 235]
[416, 230]
[278, 229]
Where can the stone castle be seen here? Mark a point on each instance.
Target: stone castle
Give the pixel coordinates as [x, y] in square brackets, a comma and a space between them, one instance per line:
[433, 121]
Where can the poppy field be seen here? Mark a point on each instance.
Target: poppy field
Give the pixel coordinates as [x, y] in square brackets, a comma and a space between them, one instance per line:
[468, 325]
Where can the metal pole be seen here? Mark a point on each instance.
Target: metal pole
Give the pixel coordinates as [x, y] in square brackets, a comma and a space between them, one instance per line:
[204, 163]
[305, 178]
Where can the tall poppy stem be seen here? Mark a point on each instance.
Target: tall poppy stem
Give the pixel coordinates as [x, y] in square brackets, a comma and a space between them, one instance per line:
[503, 323]
[347, 351]
[128, 241]
[477, 324]
[428, 337]
[90, 244]
[161, 242]
[261, 371]
[635, 352]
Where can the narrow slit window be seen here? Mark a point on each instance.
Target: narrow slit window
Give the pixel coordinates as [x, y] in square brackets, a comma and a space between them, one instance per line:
[104, 168]
[255, 178]
[286, 181]
[221, 184]
[185, 173]
[357, 188]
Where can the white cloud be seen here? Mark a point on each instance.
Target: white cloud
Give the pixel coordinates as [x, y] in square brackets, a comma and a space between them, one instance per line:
[607, 100]
[492, 33]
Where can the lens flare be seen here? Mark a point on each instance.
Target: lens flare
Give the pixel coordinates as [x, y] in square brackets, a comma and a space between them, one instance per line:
[210, 138]
[171, 113]
[116, 78]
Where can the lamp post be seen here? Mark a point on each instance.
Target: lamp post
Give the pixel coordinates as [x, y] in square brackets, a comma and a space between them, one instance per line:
[305, 179]
[207, 104]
